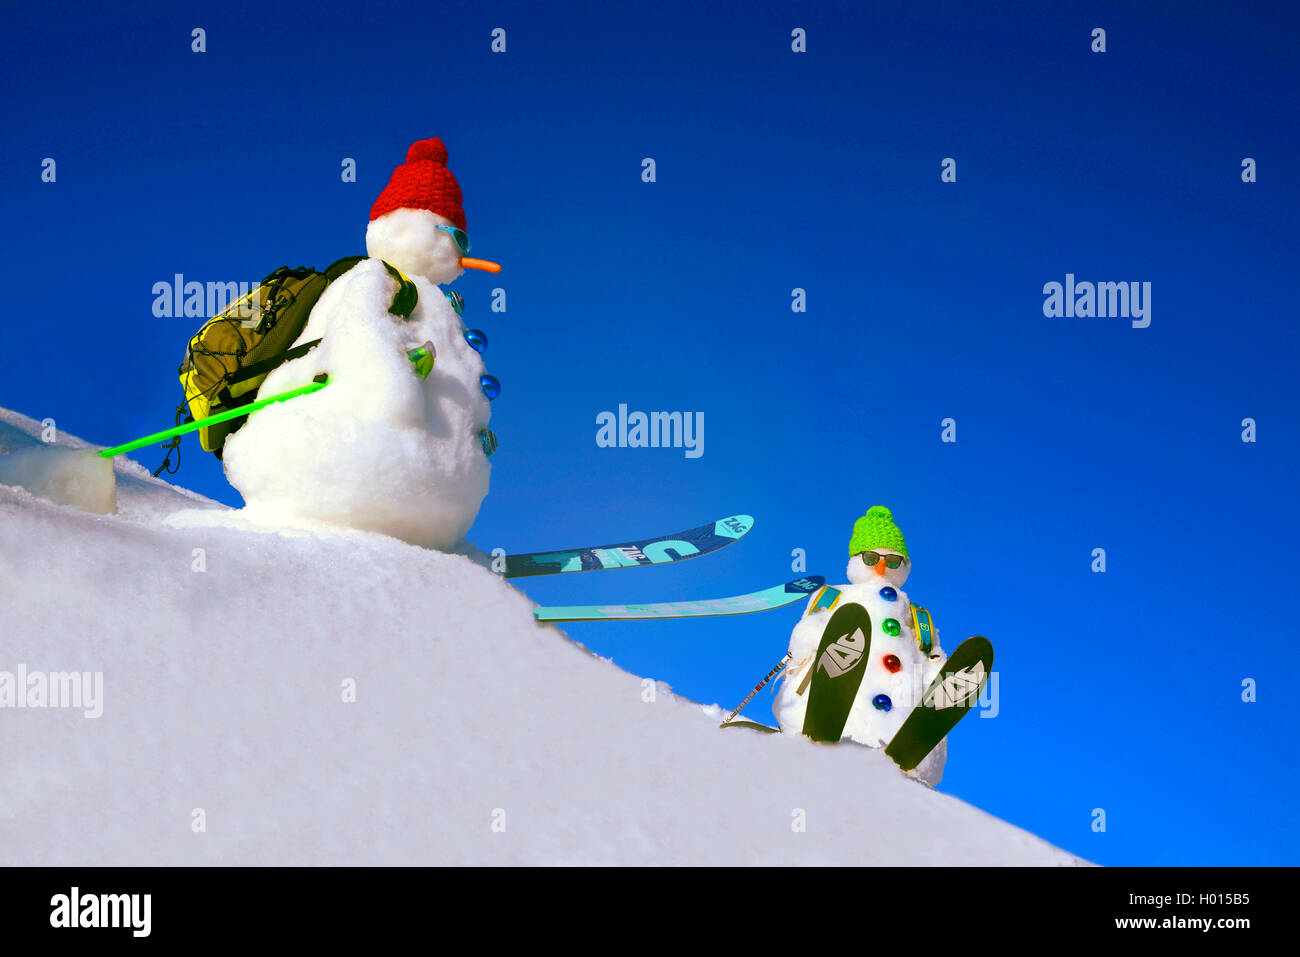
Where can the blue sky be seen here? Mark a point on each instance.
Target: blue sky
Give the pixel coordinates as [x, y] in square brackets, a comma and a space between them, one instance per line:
[775, 171]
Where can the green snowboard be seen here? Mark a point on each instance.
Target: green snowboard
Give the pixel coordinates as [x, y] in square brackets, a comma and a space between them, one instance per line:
[837, 672]
[950, 697]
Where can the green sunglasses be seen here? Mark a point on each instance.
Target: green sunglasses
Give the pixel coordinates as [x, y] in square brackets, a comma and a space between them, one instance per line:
[873, 558]
[461, 237]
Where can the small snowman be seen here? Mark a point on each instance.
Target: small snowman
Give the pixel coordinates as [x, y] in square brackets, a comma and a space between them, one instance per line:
[905, 654]
[399, 441]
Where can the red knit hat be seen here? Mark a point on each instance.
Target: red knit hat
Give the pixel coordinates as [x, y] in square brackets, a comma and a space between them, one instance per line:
[423, 182]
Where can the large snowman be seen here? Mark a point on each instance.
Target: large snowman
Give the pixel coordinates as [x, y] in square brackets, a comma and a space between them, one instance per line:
[392, 445]
[905, 654]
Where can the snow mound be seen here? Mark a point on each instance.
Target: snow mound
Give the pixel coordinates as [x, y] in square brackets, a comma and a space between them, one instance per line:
[81, 478]
[352, 699]
[140, 496]
[380, 448]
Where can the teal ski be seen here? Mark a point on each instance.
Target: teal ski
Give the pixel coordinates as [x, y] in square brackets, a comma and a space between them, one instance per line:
[765, 600]
[661, 550]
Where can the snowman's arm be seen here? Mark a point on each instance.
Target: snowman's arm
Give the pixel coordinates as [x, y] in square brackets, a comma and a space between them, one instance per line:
[808, 630]
[405, 296]
[936, 645]
[804, 639]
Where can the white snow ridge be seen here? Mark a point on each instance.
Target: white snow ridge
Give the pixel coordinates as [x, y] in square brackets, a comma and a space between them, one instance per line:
[347, 698]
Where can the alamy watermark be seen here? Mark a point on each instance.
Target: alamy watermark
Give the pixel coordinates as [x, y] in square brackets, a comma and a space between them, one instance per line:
[651, 430]
[176, 298]
[1102, 300]
[21, 688]
[75, 909]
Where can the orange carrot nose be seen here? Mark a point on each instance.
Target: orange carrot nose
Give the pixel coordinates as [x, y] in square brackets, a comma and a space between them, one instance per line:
[467, 263]
[880, 567]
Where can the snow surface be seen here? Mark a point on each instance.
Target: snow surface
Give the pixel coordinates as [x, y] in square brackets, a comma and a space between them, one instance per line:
[139, 495]
[78, 477]
[225, 653]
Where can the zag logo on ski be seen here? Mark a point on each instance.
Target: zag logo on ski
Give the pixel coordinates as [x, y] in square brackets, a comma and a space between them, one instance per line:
[660, 550]
[959, 688]
[949, 698]
[738, 525]
[843, 648]
[628, 551]
[844, 654]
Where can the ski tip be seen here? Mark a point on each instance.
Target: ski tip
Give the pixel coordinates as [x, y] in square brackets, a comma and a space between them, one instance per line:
[804, 586]
[985, 646]
[733, 526]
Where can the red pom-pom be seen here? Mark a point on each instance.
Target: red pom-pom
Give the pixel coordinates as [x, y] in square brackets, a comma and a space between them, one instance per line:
[428, 150]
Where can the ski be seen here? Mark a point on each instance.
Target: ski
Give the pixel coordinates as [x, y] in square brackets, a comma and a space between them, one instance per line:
[647, 551]
[837, 672]
[950, 697]
[752, 725]
[765, 600]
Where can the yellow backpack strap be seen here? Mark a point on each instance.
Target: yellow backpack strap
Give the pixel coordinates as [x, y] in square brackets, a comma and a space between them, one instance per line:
[405, 301]
[825, 599]
[924, 628]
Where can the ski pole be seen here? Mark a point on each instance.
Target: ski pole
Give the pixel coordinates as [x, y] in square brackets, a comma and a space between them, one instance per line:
[213, 419]
[757, 688]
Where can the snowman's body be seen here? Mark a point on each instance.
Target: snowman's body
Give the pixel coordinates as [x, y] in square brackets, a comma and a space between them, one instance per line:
[380, 449]
[905, 686]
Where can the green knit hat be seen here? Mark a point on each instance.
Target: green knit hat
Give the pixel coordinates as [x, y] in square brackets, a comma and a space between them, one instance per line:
[876, 530]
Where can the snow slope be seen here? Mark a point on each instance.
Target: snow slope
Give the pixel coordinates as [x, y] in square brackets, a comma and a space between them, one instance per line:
[223, 690]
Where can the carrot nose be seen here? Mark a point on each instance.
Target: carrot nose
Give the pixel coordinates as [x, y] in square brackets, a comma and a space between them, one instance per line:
[880, 567]
[483, 264]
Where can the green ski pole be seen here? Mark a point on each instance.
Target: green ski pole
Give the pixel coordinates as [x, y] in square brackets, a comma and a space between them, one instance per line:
[213, 419]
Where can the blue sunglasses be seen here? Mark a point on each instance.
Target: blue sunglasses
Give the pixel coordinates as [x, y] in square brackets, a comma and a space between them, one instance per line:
[461, 237]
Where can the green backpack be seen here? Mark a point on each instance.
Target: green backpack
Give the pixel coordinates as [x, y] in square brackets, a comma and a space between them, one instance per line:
[227, 360]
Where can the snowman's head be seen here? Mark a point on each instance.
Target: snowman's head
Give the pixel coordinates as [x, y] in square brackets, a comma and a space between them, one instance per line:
[876, 545]
[417, 224]
[868, 568]
[418, 242]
